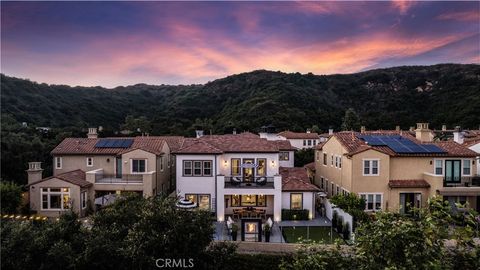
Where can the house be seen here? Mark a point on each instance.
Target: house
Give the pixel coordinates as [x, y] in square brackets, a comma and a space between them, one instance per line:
[229, 173]
[89, 168]
[469, 139]
[393, 170]
[301, 140]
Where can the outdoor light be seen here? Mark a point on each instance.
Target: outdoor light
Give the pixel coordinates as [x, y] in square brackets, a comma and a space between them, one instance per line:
[225, 162]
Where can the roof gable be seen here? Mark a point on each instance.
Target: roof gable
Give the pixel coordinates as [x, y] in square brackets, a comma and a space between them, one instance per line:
[76, 177]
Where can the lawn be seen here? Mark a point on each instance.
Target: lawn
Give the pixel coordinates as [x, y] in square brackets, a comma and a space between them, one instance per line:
[292, 234]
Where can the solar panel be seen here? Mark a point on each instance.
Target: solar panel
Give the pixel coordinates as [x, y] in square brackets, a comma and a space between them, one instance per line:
[400, 144]
[114, 143]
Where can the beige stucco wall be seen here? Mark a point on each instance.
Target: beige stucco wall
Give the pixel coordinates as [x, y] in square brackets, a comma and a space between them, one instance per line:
[35, 197]
[76, 162]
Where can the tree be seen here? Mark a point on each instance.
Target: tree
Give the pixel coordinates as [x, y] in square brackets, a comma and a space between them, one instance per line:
[11, 194]
[304, 156]
[350, 121]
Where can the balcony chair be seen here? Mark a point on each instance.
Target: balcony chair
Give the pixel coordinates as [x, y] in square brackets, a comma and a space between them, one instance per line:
[261, 181]
[236, 181]
[236, 214]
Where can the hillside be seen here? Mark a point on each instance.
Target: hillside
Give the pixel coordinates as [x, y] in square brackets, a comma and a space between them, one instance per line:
[383, 98]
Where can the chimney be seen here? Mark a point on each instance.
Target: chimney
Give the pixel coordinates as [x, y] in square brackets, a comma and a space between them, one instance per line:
[234, 131]
[397, 128]
[34, 172]
[423, 133]
[458, 135]
[330, 131]
[308, 130]
[444, 127]
[362, 129]
[92, 133]
[199, 133]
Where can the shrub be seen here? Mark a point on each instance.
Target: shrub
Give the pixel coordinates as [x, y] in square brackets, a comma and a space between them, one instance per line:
[334, 219]
[290, 214]
[346, 231]
[340, 224]
[11, 197]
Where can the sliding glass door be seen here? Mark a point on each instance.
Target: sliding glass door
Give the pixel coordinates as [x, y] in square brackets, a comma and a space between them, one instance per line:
[453, 171]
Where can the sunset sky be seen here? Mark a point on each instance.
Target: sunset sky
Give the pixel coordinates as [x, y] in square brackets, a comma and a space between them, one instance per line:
[123, 43]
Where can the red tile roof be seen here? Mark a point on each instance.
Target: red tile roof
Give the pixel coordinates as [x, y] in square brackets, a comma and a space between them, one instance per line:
[310, 166]
[81, 146]
[296, 179]
[76, 177]
[229, 143]
[410, 183]
[285, 145]
[354, 145]
[298, 135]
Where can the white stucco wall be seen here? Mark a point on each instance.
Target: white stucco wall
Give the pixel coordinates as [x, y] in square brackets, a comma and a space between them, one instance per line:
[298, 143]
[476, 148]
[290, 162]
[308, 201]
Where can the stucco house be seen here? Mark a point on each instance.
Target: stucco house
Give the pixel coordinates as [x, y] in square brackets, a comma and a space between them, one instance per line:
[393, 170]
[227, 174]
[89, 168]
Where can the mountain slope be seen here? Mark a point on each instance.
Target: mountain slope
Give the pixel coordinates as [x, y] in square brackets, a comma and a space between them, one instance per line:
[441, 94]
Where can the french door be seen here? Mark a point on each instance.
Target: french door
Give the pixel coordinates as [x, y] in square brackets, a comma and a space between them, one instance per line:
[453, 171]
[248, 170]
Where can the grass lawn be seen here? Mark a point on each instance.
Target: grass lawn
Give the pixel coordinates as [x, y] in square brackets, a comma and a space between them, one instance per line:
[292, 234]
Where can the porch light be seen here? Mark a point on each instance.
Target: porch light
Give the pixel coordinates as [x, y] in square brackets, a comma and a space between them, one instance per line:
[225, 162]
[273, 163]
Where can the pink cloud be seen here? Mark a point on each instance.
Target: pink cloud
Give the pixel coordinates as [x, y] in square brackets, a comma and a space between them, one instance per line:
[472, 15]
[403, 5]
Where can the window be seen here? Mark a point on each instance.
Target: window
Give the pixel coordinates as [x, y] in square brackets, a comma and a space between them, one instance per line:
[338, 190]
[89, 162]
[309, 142]
[262, 200]
[83, 199]
[168, 161]
[336, 161]
[55, 198]
[326, 185]
[235, 201]
[332, 161]
[314, 142]
[466, 167]
[262, 168]
[333, 189]
[187, 168]
[439, 167]
[235, 166]
[339, 162]
[296, 201]
[317, 153]
[321, 182]
[370, 167]
[58, 162]
[197, 168]
[325, 159]
[207, 168]
[249, 200]
[304, 142]
[373, 201]
[161, 164]
[204, 201]
[284, 156]
[139, 165]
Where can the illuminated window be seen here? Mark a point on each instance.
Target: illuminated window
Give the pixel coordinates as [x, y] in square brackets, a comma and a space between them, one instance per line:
[55, 198]
[284, 156]
[204, 201]
[296, 201]
[235, 166]
[262, 168]
[235, 201]
[249, 200]
[261, 200]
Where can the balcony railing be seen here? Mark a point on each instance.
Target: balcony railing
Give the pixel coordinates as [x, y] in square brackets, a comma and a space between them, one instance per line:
[120, 179]
[464, 181]
[249, 182]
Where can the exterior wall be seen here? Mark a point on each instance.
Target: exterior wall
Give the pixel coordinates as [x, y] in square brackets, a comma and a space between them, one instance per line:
[290, 162]
[76, 162]
[36, 199]
[271, 136]
[162, 181]
[339, 176]
[308, 201]
[476, 148]
[196, 184]
[298, 143]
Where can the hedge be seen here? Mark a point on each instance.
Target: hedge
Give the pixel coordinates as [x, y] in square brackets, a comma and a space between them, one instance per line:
[290, 214]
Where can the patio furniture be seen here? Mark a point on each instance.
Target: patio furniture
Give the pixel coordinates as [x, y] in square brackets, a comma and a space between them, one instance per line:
[261, 181]
[263, 214]
[236, 213]
[236, 181]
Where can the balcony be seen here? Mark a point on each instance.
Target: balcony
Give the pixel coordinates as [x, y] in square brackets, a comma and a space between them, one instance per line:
[116, 179]
[464, 181]
[249, 182]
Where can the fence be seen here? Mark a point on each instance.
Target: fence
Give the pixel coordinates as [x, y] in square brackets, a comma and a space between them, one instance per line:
[329, 208]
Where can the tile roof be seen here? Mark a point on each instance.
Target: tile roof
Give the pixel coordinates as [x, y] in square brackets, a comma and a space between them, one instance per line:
[298, 135]
[76, 177]
[284, 145]
[354, 145]
[296, 179]
[229, 143]
[410, 183]
[310, 166]
[79, 146]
